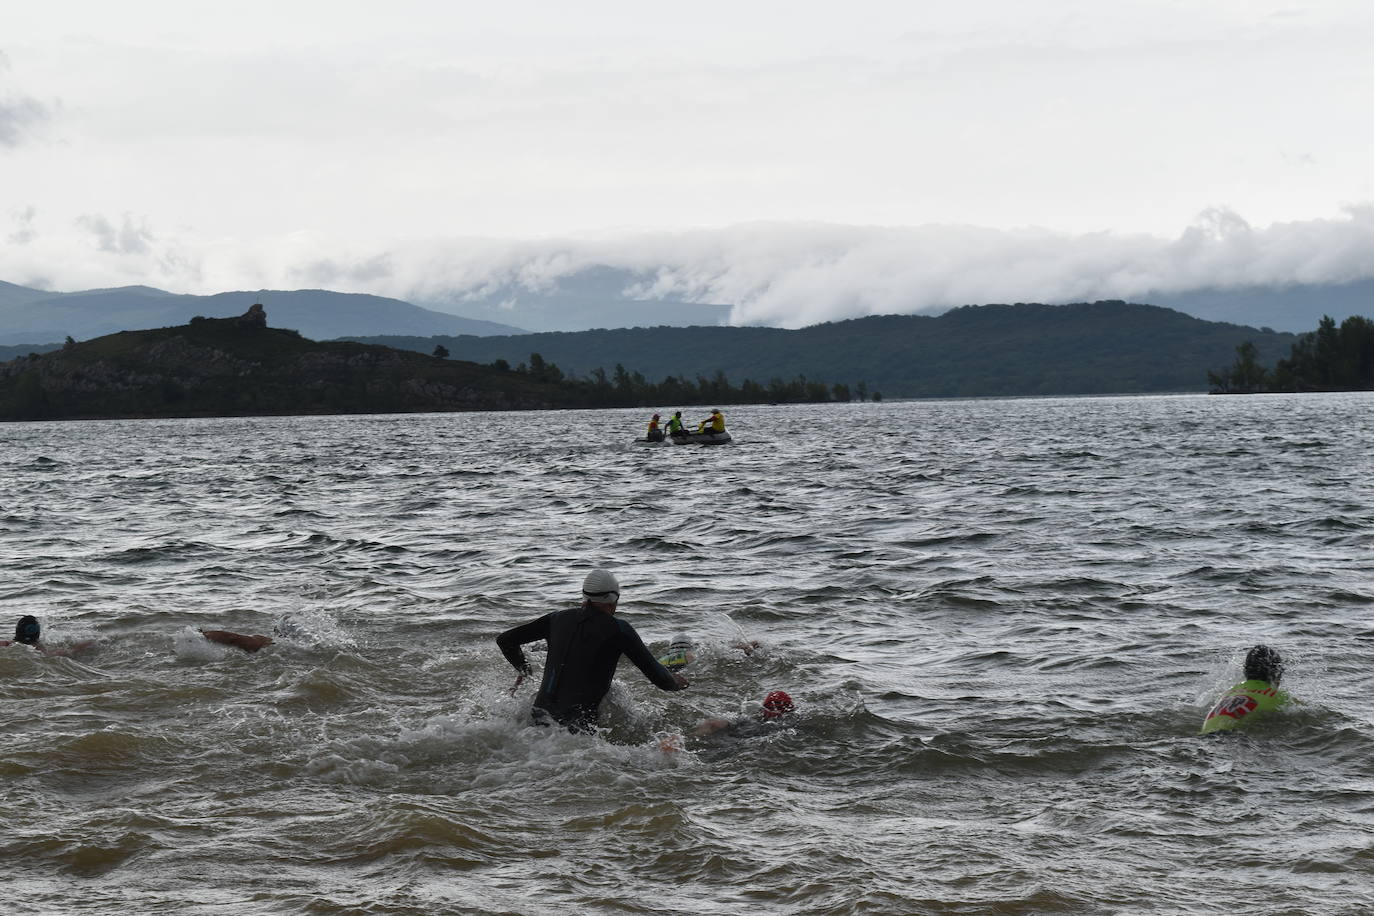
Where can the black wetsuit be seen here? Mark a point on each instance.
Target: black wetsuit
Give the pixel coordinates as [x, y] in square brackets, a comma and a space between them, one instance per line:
[585, 645]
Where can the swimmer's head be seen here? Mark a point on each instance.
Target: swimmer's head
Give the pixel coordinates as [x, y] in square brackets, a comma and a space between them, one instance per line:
[27, 630]
[681, 653]
[1263, 664]
[776, 704]
[601, 587]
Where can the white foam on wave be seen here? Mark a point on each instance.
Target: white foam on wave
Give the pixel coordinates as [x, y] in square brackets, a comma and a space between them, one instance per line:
[1225, 669]
[190, 646]
[455, 753]
[722, 628]
[315, 627]
[338, 769]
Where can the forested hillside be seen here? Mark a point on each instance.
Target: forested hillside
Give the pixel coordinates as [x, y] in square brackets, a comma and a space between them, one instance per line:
[992, 350]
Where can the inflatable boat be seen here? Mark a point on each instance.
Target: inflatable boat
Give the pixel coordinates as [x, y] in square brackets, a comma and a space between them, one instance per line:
[690, 438]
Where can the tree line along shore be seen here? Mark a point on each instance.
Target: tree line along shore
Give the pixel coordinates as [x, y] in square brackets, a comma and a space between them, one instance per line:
[1331, 358]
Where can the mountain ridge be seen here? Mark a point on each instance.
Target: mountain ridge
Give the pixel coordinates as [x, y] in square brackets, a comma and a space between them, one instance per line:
[592, 297]
[28, 315]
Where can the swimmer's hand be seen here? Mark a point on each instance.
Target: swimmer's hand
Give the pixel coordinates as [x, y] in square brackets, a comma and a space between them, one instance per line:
[682, 682]
[671, 744]
[519, 679]
[709, 727]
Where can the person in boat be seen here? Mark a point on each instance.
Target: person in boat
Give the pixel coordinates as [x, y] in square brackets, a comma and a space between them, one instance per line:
[715, 423]
[585, 644]
[1259, 693]
[675, 426]
[29, 632]
[237, 640]
[655, 433]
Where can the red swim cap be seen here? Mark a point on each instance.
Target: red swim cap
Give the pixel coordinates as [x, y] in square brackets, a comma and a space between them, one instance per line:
[776, 704]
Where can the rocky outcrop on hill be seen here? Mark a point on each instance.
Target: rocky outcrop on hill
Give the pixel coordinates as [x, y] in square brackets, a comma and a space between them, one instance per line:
[255, 317]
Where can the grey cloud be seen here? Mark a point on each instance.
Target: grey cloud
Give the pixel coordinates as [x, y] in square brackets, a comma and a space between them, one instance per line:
[186, 269]
[331, 271]
[125, 239]
[24, 232]
[17, 116]
[19, 113]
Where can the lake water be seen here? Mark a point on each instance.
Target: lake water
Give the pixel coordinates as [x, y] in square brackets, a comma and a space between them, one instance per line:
[1002, 622]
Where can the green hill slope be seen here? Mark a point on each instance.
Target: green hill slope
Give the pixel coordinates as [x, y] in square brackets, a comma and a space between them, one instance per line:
[991, 350]
[239, 366]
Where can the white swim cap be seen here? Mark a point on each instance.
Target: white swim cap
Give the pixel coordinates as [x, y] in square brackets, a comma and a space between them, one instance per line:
[601, 586]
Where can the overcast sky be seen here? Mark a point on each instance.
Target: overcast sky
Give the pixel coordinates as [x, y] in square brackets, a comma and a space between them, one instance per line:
[805, 160]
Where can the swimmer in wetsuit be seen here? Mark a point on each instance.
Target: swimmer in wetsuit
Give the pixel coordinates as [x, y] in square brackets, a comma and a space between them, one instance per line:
[681, 653]
[28, 632]
[776, 705]
[1258, 693]
[584, 646]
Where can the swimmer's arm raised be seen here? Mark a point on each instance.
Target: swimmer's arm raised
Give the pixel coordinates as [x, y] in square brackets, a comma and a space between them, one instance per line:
[510, 641]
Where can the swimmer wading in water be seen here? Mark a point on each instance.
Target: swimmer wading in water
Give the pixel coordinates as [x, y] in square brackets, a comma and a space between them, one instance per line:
[584, 647]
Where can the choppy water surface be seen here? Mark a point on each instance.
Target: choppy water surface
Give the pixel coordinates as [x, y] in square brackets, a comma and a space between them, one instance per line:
[1002, 621]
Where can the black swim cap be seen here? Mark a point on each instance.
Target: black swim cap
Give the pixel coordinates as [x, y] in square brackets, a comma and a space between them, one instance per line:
[1263, 664]
[27, 630]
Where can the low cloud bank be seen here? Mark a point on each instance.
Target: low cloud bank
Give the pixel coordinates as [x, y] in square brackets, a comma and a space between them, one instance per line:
[795, 275]
[785, 275]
